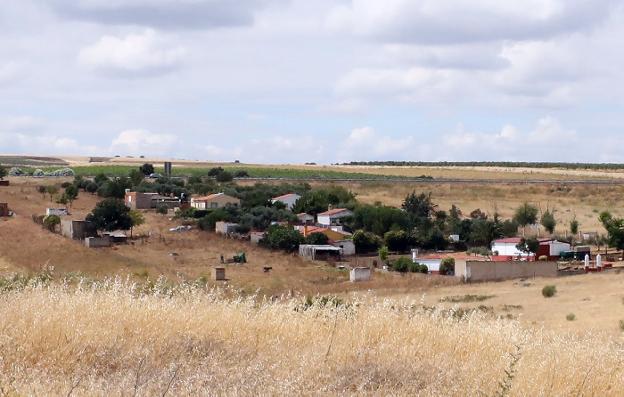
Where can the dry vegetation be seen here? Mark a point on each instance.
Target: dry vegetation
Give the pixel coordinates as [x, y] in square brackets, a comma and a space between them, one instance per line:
[584, 202]
[112, 339]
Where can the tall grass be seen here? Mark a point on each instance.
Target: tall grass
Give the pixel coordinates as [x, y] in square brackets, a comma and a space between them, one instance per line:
[119, 338]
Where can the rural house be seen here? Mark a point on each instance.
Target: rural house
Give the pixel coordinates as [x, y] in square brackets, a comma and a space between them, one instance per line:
[288, 200]
[334, 235]
[146, 201]
[333, 217]
[505, 248]
[305, 219]
[213, 201]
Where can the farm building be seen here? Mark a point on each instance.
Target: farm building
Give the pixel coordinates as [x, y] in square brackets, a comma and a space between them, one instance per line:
[146, 201]
[552, 248]
[288, 200]
[213, 201]
[56, 211]
[347, 246]
[333, 216]
[77, 229]
[505, 249]
[4, 209]
[358, 274]
[255, 237]
[225, 227]
[495, 271]
[332, 234]
[305, 219]
[97, 242]
[319, 252]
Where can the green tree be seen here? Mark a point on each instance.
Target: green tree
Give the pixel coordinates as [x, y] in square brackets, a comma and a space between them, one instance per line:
[91, 187]
[51, 221]
[100, 178]
[402, 264]
[224, 176]
[71, 194]
[111, 214]
[136, 177]
[52, 190]
[574, 226]
[420, 205]
[366, 241]
[43, 190]
[525, 215]
[317, 239]
[162, 210]
[383, 254]
[3, 172]
[283, 238]
[548, 221]
[137, 219]
[615, 229]
[447, 266]
[397, 240]
[528, 246]
[146, 169]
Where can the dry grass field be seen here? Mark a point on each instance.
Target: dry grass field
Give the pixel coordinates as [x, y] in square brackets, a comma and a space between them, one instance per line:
[584, 202]
[112, 339]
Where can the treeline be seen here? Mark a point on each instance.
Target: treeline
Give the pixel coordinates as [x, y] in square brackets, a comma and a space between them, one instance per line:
[507, 164]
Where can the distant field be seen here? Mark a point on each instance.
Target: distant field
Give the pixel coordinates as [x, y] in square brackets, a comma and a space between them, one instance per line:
[31, 161]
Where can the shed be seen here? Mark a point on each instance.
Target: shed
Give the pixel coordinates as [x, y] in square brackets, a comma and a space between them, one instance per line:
[347, 246]
[358, 274]
[77, 229]
[552, 248]
[117, 236]
[225, 227]
[4, 209]
[97, 242]
[319, 252]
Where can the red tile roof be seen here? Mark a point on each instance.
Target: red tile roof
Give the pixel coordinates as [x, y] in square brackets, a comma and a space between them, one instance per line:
[334, 211]
[508, 240]
[283, 196]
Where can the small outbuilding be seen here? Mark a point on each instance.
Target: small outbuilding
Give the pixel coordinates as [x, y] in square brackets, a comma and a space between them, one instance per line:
[358, 274]
[319, 252]
[225, 227]
[77, 229]
[97, 242]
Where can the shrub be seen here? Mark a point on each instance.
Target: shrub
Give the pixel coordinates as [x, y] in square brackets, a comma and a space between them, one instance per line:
[366, 241]
[317, 239]
[224, 177]
[403, 265]
[383, 253]
[447, 266]
[282, 237]
[397, 240]
[51, 221]
[571, 317]
[549, 291]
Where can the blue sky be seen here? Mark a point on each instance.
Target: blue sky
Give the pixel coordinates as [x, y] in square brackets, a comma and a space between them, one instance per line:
[277, 81]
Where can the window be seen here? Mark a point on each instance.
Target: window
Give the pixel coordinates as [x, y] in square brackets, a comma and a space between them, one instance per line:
[214, 205]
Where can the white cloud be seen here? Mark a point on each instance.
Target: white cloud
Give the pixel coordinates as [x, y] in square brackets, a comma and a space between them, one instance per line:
[462, 21]
[146, 53]
[365, 143]
[548, 141]
[138, 142]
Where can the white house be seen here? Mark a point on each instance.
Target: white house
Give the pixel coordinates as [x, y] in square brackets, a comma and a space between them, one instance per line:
[507, 247]
[333, 217]
[288, 200]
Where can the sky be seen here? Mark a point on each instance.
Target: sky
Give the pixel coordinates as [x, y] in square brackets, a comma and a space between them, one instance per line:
[326, 81]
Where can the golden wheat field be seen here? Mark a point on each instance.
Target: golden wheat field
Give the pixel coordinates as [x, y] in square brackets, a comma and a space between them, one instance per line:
[118, 338]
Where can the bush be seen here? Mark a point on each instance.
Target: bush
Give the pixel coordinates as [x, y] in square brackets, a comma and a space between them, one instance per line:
[397, 240]
[282, 237]
[549, 291]
[403, 265]
[51, 221]
[224, 177]
[366, 241]
[317, 239]
[447, 266]
[571, 317]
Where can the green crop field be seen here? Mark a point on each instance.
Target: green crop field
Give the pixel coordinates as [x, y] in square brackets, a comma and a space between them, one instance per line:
[254, 172]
